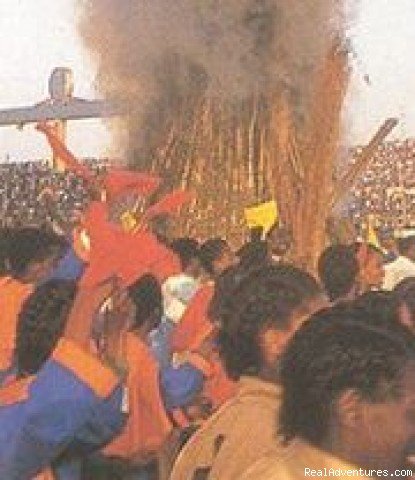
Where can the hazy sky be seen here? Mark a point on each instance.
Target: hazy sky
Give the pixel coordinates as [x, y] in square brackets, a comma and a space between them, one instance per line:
[38, 35]
[35, 37]
[384, 39]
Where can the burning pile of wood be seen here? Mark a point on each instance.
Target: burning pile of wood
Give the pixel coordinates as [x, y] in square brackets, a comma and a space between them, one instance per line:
[234, 156]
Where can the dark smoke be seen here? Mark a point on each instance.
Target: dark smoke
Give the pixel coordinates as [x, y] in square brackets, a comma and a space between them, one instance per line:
[160, 56]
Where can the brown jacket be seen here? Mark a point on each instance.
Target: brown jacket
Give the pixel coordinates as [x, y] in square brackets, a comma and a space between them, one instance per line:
[235, 437]
[300, 461]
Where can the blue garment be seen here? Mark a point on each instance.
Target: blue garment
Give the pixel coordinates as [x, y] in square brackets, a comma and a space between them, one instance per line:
[179, 386]
[160, 342]
[70, 267]
[61, 415]
[177, 293]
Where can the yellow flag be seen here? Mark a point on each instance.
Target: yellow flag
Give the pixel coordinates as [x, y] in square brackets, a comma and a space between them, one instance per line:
[264, 215]
[371, 235]
[128, 221]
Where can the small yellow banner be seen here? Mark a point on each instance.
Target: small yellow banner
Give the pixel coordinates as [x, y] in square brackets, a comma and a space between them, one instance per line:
[371, 236]
[128, 221]
[264, 215]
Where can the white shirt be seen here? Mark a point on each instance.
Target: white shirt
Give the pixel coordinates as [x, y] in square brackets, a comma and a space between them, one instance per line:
[397, 271]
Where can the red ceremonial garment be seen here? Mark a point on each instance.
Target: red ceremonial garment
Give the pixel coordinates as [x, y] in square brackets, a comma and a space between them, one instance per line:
[147, 426]
[195, 334]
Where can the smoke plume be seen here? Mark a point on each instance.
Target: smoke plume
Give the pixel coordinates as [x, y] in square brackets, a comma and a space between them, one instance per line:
[160, 56]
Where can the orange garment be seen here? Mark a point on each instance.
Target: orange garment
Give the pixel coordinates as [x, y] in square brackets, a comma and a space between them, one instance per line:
[12, 296]
[195, 326]
[118, 181]
[46, 475]
[218, 388]
[60, 150]
[148, 426]
[130, 256]
[170, 204]
[196, 334]
[125, 254]
[15, 391]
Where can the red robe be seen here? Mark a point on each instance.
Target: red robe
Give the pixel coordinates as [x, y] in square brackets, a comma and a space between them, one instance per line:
[124, 254]
[147, 426]
[196, 334]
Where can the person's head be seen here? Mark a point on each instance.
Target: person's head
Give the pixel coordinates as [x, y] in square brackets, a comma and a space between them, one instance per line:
[41, 323]
[338, 270]
[187, 249]
[406, 247]
[371, 266]
[280, 240]
[257, 314]
[146, 297]
[33, 253]
[405, 292]
[253, 254]
[256, 234]
[349, 388]
[379, 308]
[216, 256]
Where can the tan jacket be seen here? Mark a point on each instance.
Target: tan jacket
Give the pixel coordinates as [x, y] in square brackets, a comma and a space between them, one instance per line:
[235, 437]
[300, 461]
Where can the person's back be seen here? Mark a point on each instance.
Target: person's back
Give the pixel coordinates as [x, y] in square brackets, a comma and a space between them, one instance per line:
[148, 425]
[234, 436]
[63, 401]
[347, 392]
[300, 460]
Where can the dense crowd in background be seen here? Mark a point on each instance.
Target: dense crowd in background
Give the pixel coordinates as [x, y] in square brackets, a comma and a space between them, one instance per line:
[31, 193]
[386, 188]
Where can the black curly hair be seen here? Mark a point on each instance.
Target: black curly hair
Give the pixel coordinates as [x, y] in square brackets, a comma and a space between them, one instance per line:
[338, 269]
[405, 291]
[41, 323]
[338, 350]
[249, 302]
[380, 308]
[147, 298]
[186, 248]
[29, 244]
[210, 251]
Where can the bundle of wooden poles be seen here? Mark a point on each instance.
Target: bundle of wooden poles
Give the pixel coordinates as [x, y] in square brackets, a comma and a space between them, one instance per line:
[234, 156]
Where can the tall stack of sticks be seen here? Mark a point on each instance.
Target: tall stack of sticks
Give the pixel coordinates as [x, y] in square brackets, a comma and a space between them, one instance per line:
[233, 156]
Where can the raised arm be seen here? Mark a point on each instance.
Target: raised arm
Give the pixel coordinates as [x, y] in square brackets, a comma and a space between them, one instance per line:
[62, 152]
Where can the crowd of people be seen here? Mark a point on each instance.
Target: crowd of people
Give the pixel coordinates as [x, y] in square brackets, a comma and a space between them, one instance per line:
[31, 193]
[125, 355]
[392, 166]
[219, 365]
